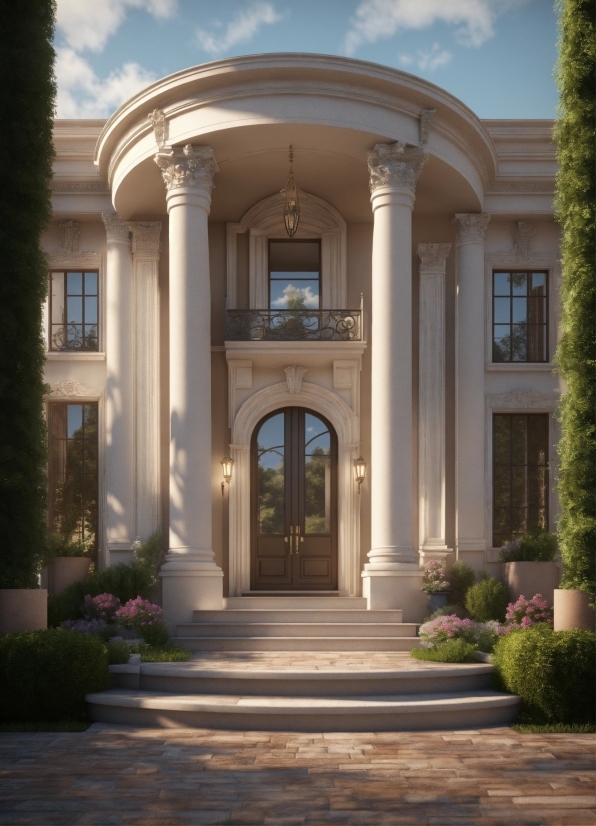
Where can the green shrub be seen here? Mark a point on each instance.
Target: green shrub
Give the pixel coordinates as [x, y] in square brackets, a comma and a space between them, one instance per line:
[539, 546]
[150, 553]
[45, 674]
[461, 577]
[155, 635]
[552, 671]
[162, 654]
[448, 611]
[118, 652]
[487, 600]
[452, 651]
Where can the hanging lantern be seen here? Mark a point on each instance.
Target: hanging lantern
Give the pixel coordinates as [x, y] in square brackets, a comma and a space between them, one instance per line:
[291, 203]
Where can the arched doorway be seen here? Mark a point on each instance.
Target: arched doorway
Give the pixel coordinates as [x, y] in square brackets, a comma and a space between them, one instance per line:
[294, 502]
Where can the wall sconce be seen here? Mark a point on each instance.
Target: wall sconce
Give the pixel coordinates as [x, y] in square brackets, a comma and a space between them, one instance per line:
[227, 463]
[359, 471]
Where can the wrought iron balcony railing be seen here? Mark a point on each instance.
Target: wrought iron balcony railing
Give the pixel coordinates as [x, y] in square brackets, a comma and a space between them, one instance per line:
[294, 325]
[74, 337]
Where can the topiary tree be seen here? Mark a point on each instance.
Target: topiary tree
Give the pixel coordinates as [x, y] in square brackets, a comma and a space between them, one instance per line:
[576, 355]
[27, 95]
[487, 600]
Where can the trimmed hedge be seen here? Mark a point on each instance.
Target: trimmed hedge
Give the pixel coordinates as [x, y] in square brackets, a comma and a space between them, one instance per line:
[45, 674]
[576, 355]
[487, 600]
[552, 671]
[461, 578]
[452, 651]
[118, 652]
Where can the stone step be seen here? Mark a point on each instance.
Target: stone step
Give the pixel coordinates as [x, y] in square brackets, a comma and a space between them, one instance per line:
[292, 601]
[295, 629]
[309, 714]
[191, 678]
[304, 643]
[314, 615]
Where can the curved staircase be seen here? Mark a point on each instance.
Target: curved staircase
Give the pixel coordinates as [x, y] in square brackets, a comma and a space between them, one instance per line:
[306, 664]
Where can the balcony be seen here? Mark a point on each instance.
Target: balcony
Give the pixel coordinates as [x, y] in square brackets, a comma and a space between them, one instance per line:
[294, 325]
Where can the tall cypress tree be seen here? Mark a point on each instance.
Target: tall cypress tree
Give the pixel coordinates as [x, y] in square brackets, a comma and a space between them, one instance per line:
[576, 356]
[27, 94]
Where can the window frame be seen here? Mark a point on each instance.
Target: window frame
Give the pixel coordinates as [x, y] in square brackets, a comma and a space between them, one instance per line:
[294, 241]
[545, 325]
[65, 270]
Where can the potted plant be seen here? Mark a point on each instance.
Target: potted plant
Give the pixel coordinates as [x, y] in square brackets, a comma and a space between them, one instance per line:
[435, 585]
[67, 561]
[529, 566]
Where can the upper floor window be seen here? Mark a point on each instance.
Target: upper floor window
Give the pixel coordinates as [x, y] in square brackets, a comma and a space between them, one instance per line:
[74, 310]
[294, 275]
[520, 313]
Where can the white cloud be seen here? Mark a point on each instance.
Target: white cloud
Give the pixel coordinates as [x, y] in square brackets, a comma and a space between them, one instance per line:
[88, 24]
[81, 94]
[241, 28]
[427, 60]
[296, 298]
[474, 19]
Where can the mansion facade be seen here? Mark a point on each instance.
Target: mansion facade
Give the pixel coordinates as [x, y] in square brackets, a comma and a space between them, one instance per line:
[309, 390]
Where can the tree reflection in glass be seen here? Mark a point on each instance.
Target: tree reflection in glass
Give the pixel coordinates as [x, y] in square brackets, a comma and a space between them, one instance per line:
[271, 475]
[317, 476]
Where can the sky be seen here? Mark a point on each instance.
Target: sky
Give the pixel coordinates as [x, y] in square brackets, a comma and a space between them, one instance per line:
[497, 56]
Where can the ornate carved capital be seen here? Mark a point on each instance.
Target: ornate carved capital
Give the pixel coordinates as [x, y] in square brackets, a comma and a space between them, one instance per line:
[471, 227]
[394, 165]
[70, 235]
[294, 378]
[427, 117]
[522, 238]
[433, 257]
[117, 230]
[193, 166]
[157, 119]
[145, 238]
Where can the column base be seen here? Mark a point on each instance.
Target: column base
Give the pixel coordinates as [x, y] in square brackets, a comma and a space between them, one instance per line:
[398, 589]
[428, 554]
[119, 553]
[189, 585]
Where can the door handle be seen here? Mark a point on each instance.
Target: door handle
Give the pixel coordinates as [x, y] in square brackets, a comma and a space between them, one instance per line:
[298, 538]
[289, 539]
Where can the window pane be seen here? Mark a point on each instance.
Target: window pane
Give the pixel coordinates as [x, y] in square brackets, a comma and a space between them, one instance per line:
[519, 333]
[75, 419]
[519, 283]
[74, 283]
[271, 475]
[502, 343]
[539, 283]
[501, 283]
[74, 310]
[501, 440]
[520, 310]
[58, 298]
[502, 311]
[91, 310]
[294, 295]
[317, 476]
[502, 486]
[91, 283]
[294, 256]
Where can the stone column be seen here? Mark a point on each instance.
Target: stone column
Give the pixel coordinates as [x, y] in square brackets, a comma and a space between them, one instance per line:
[470, 435]
[145, 249]
[191, 579]
[431, 406]
[391, 578]
[119, 470]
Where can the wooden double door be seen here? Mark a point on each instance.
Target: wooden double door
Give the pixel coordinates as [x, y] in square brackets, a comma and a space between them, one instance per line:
[294, 502]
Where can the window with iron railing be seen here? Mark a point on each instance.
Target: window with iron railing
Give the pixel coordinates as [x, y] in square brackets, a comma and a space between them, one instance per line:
[74, 309]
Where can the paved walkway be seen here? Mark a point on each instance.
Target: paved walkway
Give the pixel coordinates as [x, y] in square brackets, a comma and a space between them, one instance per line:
[112, 776]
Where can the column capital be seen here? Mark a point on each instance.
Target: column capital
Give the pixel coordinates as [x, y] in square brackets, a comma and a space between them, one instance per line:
[393, 165]
[145, 238]
[433, 258]
[117, 230]
[190, 167]
[471, 227]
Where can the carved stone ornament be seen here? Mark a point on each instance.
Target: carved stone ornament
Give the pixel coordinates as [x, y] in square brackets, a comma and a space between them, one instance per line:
[471, 227]
[521, 399]
[192, 166]
[394, 165]
[157, 119]
[294, 378]
[145, 238]
[433, 257]
[117, 230]
[73, 389]
[70, 235]
[427, 117]
[523, 232]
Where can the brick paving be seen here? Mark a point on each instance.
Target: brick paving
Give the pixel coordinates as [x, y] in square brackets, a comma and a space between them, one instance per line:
[121, 776]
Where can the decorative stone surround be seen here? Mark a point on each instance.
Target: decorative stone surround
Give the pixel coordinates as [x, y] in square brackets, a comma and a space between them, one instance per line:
[193, 166]
[70, 235]
[522, 399]
[294, 378]
[73, 389]
[522, 233]
[145, 238]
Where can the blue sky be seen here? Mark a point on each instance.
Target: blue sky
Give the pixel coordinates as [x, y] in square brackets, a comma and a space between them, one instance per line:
[497, 56]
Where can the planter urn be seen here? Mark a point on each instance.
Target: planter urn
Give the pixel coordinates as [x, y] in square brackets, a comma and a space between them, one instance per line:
[572, 610]
[66, 570]
[23, 609]
[436, 601]
[530, 578]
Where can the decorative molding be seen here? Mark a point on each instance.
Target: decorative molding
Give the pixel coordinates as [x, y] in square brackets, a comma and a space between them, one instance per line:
[498, 187]
[294, 378]
[394, 165]
[68, 260]
[157, 119]
[70, 235]
[471, 227]
[522, 400]
[522, 233]
[427, 117]
[57, 185]
[117, 230]
[145, 238]
[74, 389]
[193, 166]
[433, 258]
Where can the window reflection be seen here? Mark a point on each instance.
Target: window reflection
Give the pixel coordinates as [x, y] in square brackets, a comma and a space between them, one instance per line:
[317, 475]
[271, 475]
[73, 311]
[519, 317]
[294, 275]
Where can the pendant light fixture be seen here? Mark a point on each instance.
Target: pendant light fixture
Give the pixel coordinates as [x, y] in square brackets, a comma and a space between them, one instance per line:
[291, 202]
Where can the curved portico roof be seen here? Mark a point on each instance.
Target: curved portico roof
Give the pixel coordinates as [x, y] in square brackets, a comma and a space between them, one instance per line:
[249, 108]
